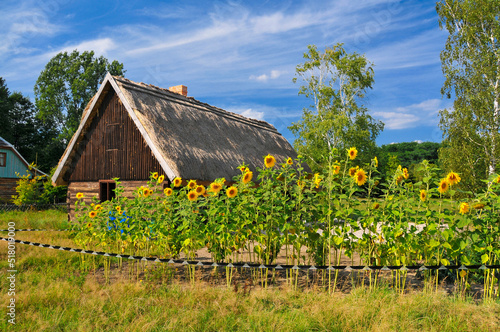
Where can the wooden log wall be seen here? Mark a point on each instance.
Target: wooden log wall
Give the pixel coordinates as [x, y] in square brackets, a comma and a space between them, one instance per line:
[113, 147]
[7, 189]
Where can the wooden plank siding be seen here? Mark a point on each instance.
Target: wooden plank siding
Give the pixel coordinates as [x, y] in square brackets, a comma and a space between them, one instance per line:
[113, 147]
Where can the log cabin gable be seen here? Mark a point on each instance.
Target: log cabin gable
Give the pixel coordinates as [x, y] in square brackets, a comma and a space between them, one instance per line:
[112, 146]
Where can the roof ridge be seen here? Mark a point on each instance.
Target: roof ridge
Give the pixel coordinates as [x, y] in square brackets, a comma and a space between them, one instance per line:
[195, 102]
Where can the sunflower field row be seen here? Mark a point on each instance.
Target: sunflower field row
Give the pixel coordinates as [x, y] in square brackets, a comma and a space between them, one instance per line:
[284, 208]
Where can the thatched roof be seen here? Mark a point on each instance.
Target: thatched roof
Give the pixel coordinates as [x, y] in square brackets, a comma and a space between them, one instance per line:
[189, 138]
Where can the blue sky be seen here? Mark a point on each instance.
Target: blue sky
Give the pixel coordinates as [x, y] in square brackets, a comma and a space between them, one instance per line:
[241, 55]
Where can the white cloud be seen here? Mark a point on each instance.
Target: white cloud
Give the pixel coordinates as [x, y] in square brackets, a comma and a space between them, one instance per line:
[411, 116]
[100, 46]
[250, 113]
[274, 74]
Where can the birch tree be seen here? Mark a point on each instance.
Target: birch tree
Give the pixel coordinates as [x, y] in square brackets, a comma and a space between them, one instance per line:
[471, 65]
[336, 83]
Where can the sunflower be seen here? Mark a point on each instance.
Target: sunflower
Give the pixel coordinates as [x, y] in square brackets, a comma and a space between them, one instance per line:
[191, 184]
[317, 180]
[376, 206]
[92, 214]
[177, 182]
[89, 225]
[97, 207]
[231, 192]
[453, 178]
[406, 175]
[497, 180]
[247, 177]
[423, 195]
[79, 196]
[168, 191]
[375, 161]
[215, 187]
[200, 190]
[300, 183]
[147, 192]
[289, 161]
[478, 206]
[464, 208]
[352, 152]
[155, 175]
[242, 168]
[269, 161]
[443, 186]
[360, 177]
[353, 170]
[161, 178]
[192, 196]
[336, 169]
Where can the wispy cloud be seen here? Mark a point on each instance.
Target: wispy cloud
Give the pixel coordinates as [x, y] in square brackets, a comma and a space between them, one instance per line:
[265, 77]
[424, 113]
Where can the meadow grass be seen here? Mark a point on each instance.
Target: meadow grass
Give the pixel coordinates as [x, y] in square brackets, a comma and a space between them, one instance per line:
[54, 294]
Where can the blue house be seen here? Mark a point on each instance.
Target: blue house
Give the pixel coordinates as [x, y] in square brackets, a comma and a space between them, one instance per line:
[11, 162]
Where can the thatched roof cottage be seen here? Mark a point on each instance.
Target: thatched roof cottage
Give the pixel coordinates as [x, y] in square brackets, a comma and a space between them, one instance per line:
[131, 129]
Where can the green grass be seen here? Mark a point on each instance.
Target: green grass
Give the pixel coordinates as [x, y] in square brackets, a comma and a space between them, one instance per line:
[53, 294]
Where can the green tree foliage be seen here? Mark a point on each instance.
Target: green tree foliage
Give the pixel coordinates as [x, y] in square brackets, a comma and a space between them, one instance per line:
[18, 121]
[66, 85]
[407, 154]
[336, 83]
[35, 140]
[37, 189]
[471, 65]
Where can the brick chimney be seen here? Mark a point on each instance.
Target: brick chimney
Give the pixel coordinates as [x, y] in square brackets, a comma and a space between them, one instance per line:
[180, 89]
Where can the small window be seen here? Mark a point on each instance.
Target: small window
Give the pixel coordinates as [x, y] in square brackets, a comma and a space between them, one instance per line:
[106, 190]
[3, 159]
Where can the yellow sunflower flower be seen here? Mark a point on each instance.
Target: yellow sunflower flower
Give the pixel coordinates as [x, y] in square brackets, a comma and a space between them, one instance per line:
[247, 177]
[497, 180]
[92, 214]
[191, 184]
[177, 182]
[200, 190]
[443, 186]
[118, 208]
[360, 177]
[406, 175]
[376, 206]
[352, 152]
[289, 161]
[423, 195]
[300, 183]
[317, 180]
[464, 208]
[97, 207]
[352, 171]
[161, 178]
[375, 161]
[79, 196]
[453, 178]
[231, 192]
[269, 161]
[168, 191]
[192, 196]
[242, 168]
[215, 187]
[155, 175]
[336, 169]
